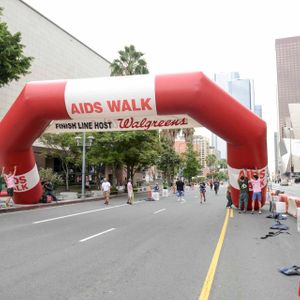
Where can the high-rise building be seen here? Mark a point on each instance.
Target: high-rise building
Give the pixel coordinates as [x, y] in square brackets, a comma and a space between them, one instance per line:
[258, 110]
[222, 79]
[243, 91]
[288, 78]
[200, 146]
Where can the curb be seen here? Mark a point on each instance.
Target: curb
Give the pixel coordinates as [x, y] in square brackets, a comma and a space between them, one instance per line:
[59, 203]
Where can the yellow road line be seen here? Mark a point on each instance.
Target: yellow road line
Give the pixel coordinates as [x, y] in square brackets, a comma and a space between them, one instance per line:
[231, 213]
[213, 265]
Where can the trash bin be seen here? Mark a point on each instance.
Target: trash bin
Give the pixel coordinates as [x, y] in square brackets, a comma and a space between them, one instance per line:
[155, 195]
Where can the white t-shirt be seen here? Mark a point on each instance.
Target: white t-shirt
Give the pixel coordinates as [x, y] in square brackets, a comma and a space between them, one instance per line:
[129, 187]
[105, 186]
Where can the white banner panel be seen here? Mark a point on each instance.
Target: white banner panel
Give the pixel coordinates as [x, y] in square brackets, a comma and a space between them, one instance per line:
[123, 124]
[27, 181]
[235, 173]
[110, 97]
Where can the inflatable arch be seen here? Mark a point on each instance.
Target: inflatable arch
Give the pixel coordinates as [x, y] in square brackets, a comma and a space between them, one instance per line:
[191, 94]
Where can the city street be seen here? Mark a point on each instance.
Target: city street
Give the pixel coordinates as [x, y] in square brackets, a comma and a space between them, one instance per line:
[151, 250]
[291, 190]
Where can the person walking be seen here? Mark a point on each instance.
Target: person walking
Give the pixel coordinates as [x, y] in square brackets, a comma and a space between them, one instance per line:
[155, 194]
[2, 183]
[256, 195]
[228, 197]
[10, 184]
[180, 190]
[106, 190]
[130, 192]
[149, 192]
[216, 186]
[244, 191]
[202, 192]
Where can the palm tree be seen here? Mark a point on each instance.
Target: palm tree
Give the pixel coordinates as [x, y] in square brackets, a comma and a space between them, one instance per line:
[188, 135]
[130, 62]
[169, 136]
[211, 160]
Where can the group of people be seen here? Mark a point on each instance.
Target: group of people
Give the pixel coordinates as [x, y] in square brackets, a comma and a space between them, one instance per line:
[106, 186]
[244, 182]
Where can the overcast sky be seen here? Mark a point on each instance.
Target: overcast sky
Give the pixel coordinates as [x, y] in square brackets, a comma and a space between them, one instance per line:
[192, 35]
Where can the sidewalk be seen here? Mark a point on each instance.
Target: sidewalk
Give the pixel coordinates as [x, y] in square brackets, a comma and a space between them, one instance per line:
[19, 207]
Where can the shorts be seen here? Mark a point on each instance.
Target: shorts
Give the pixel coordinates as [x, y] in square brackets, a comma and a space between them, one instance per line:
[256, 195]
[180, 193]
[10, 192]
[106, 194]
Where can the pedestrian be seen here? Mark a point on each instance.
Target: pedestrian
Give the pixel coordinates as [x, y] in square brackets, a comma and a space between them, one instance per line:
[130, 192]
[87, 182]
[2, 183]
[155, 194]
[180, 190]
[49, 190]
[228, 197]
[211, 185]
[256, 195]
[244, 191]
[10, 184]
[174, 187]
[216, 186]
[202, 192]
[106, 190]
[149, 192]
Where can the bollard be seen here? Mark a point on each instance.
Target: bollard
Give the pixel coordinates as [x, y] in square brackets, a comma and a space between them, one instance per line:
[298, 219]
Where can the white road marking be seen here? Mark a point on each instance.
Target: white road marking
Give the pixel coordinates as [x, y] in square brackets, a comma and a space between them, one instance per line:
[78, 214]
[158, 211]
[95, 235]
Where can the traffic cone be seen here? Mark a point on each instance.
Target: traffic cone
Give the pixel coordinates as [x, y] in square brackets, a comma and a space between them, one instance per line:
[299, 290]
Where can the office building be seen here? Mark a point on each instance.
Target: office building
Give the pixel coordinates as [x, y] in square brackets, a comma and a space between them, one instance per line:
[288, 78]
[57, 54]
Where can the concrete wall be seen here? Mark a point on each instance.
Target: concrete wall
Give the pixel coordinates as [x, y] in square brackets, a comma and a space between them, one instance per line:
[58, 55]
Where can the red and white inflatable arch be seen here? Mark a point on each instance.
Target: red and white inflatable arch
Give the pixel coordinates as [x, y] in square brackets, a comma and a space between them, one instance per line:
[191, 94]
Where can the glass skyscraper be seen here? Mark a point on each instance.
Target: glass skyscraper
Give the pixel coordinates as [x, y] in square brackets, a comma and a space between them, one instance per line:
[243, 91]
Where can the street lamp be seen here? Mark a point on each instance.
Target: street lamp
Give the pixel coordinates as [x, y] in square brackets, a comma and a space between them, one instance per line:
[290, 129]
[84, 144]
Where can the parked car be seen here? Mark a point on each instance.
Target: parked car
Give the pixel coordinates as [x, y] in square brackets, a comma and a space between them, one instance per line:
[297, 180]
[284, 182]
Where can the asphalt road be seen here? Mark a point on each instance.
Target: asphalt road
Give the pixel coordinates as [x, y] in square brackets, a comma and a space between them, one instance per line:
[152, 250]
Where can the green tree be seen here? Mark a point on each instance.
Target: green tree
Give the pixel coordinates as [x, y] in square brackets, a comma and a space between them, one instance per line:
[169, 136]
[211, 160]
[13, 62]
[135, 150]
[49, 175]
[222, 163]
[62, 146]
[188, 134]
[130, 62]
[168, 162]
[191, 167]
